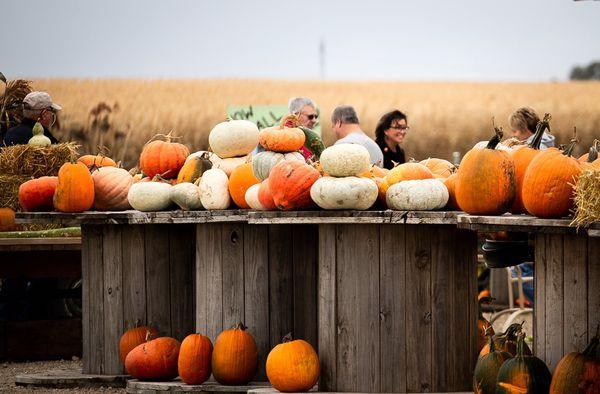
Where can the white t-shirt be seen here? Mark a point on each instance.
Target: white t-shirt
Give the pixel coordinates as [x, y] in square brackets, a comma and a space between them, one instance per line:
[360, 138]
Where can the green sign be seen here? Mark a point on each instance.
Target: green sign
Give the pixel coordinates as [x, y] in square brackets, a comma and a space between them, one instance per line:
[263, 115]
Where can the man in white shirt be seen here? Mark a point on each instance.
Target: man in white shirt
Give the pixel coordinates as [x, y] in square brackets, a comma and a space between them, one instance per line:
[344, 123]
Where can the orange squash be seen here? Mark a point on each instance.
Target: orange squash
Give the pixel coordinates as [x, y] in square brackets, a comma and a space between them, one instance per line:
[290, 183]
[164, 158]
[450, 183]
[408, 172]
[485, 183]
[548, 183]
[195, 357]
[282, 138]
[194, 167]
[75, 189]
[235, 356]
[522, 157]
[133, 338]
[154, 360]
[7, 219]
[293, 366]
[239, 182]
[97, 161]
[37, 194]
[265, 197]
[439, 167]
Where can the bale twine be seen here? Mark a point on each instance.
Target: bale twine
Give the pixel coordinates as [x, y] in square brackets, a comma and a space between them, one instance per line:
[587, 198]
[31, 161]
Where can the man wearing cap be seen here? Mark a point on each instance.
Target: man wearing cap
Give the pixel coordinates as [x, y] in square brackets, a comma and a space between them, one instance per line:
[37, 107]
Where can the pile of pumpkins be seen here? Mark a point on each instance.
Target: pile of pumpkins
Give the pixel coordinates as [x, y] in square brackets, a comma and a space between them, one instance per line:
[506, 365]
[292, 366]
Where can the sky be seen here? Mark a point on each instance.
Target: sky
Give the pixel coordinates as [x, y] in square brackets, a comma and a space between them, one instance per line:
[425, 40]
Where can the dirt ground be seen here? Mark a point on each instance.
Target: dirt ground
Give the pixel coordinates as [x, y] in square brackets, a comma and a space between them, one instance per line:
[8, 371]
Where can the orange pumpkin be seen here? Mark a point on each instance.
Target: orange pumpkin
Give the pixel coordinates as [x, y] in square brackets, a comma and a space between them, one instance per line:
[111, 185]
[7, 219]
[293, 366]
[439, 167]
[374, 172]
[164, 158]
[97, 161]
[408, 172]
[485, 183]
[282, 138]
[548, 183]
[240, 180]
[154, 360]
[235, 356]
[75, 189]
[37, 194]
[265, 197]
[522, 156]
[133, 338]
[290, 182]
[450, 183]
[382, 187]
[195, 357]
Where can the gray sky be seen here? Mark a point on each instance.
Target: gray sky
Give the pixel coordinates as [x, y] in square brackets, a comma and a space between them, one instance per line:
[508, 40]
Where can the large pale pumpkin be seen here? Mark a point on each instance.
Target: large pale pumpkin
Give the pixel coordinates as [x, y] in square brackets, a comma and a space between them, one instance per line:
[290, 183]
[230, 164]
[111, 186]
[265, 197]
[252, 199]
[164, 158]
[37, 194]
[133, 338]
[440, 168]
[194, 168]
[417, 195]
[154, 360]
[214, 189]
[485, 183]
[75, 188]
[187, 196]
[282, 138]
[263, 162]
[235, 356]
[150, 196]
[233, 138]
[195, 354]
[344, 193]
[240, 180]
[408, 172]
[293, 366]
[345, 160]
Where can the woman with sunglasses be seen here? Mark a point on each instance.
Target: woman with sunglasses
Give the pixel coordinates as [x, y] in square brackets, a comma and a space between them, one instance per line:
[389, 134]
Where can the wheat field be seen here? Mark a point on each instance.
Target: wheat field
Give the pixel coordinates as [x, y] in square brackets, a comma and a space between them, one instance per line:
[444, 117]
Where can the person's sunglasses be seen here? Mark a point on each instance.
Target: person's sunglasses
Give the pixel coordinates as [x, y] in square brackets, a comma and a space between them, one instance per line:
[400, 127]
[312, 116]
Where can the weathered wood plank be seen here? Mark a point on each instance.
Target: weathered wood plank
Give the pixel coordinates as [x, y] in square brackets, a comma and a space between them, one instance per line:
[539, 312]
[181, 248]
[158, 307]
[281, 295]
[305, 250]
[593, 286]
[134, 276]
[392, 292]
[113, 298]
[93, 301]
[256, 290]
[232, 252]
[53, 241]
[352, 217]
[575, 292]
[327, 307]
[554, 298]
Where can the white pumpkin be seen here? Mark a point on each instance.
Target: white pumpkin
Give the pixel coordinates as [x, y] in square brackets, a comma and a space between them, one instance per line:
[417, 195]
[263, 162]
[214, 192]
[230, 164]
[187, 196]
[345, 160]
[150, 196]
[344, 193]
[211, 156]
[233, 138]
[251, 197]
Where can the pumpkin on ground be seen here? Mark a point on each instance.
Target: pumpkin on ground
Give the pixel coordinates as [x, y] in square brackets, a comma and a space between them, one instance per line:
[485, 183]
[111, 186]
[263, 162]
[97, 161]
[548, 183]
[290, 183]
[133, 338]
[293, 366]
[344, 193]
[75, 188]
[345, 160]
[522, 157]
[507, 341]
[450, 184]
[164, 158]
[195, 356]
[214, 189]
[523, 374]
[37, 194]
[233, 138]
[579, 372]
[408, 172]
[417, 195]
[235, 356]
[440, 168]
[252, 199]
[282, 138]
[7, 219]
[486, 369]
[240, 180]
[231, 163]
[265, 197]
[154, 360]
[150, 196]
[194, 168]
[186, 196]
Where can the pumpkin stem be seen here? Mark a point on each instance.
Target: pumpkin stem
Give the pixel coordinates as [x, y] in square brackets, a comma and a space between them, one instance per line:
[148, 335]
[496, 138]
[240, 326]
[539, 131]
[287, 338]
[593, 154]
[569, 149]
[513, 330]
[488, 333]
[521, 345]
[138, 323]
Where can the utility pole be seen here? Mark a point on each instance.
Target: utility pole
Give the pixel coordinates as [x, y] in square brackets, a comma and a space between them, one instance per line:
[322, 58]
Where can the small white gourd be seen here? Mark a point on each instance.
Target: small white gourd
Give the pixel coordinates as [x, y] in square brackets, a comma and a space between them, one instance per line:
[39, 139]
[417, 195]
[187, 196]
[214, 192]
[150, 196]
[344, 193]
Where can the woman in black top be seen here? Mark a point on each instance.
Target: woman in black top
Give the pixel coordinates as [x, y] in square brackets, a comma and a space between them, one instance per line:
[390, 132]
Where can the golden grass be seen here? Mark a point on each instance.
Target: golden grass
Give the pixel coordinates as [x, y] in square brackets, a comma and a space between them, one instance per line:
[444, 117]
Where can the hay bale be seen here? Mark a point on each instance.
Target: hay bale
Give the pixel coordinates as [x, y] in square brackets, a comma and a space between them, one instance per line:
[31, 161]
[9, 190]
[587, 199]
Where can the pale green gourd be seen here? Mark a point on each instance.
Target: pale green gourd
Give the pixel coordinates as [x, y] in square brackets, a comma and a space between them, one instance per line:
[39, 139]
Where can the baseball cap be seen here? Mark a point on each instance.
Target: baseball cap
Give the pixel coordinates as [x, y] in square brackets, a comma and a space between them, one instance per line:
[40, 100]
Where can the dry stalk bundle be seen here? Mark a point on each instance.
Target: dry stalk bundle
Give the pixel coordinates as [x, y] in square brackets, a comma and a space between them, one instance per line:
[27, 160]
[587, 198]
[9, 190]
